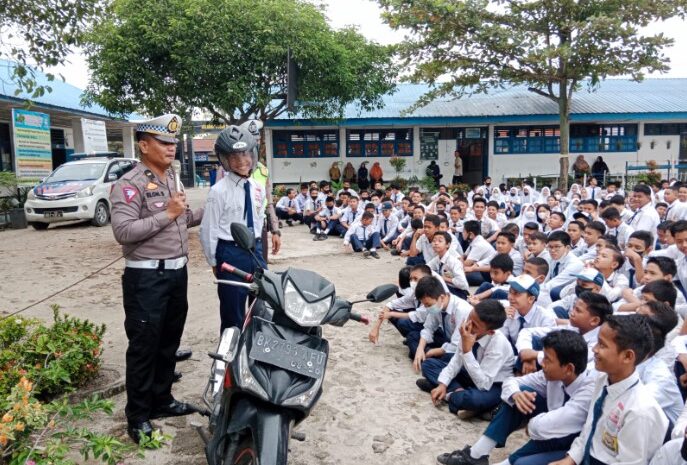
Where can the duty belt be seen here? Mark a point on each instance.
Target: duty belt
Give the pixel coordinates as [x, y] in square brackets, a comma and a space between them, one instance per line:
[170, 264]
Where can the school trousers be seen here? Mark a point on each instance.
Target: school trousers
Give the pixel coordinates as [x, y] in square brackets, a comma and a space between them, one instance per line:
[406, 325]
[476, 278]
[285, 215]
[432, 367]
[413, 341]
[509, 419]
[464, 395]
[232, 299]
[372, 242]
[561, 312]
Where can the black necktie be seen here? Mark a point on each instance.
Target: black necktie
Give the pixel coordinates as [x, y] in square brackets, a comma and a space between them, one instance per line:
[248, 206]
[555, 270]
[386, 225]
[598, 409]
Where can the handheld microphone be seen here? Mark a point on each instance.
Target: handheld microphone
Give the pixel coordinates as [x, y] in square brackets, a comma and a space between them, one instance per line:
[176, 169]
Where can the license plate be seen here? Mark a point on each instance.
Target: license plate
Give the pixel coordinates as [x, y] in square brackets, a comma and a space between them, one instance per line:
[55, 214]
[288, 355]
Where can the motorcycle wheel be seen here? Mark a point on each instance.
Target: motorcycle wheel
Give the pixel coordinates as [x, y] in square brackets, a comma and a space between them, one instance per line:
[245, 453]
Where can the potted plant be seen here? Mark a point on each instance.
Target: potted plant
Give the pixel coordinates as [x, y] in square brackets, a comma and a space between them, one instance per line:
[13, 198]
[399, 163]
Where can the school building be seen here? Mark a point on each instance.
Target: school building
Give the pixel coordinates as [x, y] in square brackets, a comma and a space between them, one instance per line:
[510, 132]
[67, 125]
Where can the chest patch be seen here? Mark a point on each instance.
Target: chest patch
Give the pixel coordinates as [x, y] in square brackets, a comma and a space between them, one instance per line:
[159, 204]
[129, 193]
[153, 194]
[151, 186]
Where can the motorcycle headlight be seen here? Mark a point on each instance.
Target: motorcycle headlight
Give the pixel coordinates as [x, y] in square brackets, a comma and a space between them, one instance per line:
[302, 312]
[87, 192]
[246, 379]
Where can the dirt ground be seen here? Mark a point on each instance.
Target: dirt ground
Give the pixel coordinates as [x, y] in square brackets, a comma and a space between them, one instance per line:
[370, 412]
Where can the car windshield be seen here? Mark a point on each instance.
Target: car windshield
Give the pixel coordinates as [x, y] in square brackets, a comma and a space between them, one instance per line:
[77, 172]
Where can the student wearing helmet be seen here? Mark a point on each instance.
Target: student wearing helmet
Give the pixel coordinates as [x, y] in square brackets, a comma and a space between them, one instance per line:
[236, 198]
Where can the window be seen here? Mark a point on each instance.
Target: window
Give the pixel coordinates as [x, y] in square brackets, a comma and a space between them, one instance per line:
[379, 143]
[665, 129]
[583, 138]
[306, 144]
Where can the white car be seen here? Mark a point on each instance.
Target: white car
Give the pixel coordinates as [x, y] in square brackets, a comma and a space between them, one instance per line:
[76, 190]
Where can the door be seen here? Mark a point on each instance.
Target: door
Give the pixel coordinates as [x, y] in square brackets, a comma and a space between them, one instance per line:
[471, 144]
[682, 173]
[59, 149]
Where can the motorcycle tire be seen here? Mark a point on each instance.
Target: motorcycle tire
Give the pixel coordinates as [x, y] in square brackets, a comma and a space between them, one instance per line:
[245, 453]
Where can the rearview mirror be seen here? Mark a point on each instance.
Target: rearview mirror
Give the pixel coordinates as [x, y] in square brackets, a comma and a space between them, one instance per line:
[381, 293]
[243, 236]
[111, 177]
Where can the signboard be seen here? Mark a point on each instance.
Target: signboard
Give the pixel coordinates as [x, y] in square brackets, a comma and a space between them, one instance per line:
[32, 150]
[429, 146]
[94, 135]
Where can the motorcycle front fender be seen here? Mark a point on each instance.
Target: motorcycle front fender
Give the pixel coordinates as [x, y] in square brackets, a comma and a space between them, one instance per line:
[270, 427]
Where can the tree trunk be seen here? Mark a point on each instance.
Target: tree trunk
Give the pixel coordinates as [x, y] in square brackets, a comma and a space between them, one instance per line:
[564, 114]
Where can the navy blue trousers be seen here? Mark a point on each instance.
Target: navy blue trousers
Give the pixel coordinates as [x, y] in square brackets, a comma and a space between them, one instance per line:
[413, 341]
[372, 242]
[406, 326]
[232, 299]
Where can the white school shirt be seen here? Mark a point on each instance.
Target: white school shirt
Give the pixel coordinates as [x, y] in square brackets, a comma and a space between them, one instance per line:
[561, 418]
[527, 334]
[313, 206]
[456, 226]
[361, 232]
[669, 453]
[387, 226]
[680, 425]
[488, 226]
[645, 219]
[580, 248]
[397, 198]
[621, 233]
[451, 262]
[493, 364]
[480, 250]
[326, 212]
[518, 262]
[676, 211]
[536, 317]
[630, 429]
[594, 193]
[424, 247]
[224, 206]
[301, 200]
[449, 320]
[285, 203]
[617, 281]
[348, 216]
[659, 380]
[680, 261]
[569, 267]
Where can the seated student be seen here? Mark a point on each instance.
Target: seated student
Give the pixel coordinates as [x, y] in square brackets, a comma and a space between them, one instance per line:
[609, 261]
[500, 271]
[663, 237]
[448, 265]
[505, 243]
[673, 452]
[556, 222]
[363, 237]
[311, 207]
[590, 208]
[420, 250]
[554, 403]
[536, 246]
[445, 312]
[637, 250]
[327, 220]
[615, 226]
[661, 208]
[522, 242]
[304, 196]
[455, 244]
[590, 279]
[402, 242]
[288, 209]
[657, 375]
[388, 225]
[348, 215]
[589, 312]
[455, 222]
[522, 310]
[577, 243]
[592, 233]
[624, 424]
[406, 313]
[471, 381]
[494, 214]
[488, 227]
[564, 266]
[478, 251]
[538, 269]
[656, 269]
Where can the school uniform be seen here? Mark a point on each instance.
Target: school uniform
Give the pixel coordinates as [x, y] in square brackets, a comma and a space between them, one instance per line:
[348, 217]
[561, 273]
[310, 209]
[474, 379]
[520, 245]
[283, 206]
[518, 262]
[479, 251]
[397, 198]
[451, 263]
[535, 318]
[659, 380]
[456, 227]
[580, 248]
[621, 233]
[617, 281]
[594, 193]
[417, 314]
[676, 211]
[301, 200]
[362, 237]
[446, 325]
[669, 453]
[488, 227]
[559, 415]
[645, 219]
[387, 228]
[529, 338]
[680, 425]
[455, 244]
[331, 223]
[624, 425]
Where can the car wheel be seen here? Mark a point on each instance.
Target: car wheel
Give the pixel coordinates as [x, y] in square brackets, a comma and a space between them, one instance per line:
[102, 214]
[40, 226]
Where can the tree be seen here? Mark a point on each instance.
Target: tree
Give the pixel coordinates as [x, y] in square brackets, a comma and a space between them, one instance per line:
[35, 35]
[229, 57]
[552, 46]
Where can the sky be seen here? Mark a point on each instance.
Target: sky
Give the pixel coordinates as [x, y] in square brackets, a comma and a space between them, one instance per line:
[366, 15]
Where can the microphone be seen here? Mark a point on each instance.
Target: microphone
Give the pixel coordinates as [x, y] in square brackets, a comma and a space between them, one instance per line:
[176, 169]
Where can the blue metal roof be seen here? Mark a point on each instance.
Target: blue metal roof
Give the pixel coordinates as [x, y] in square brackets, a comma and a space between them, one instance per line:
[63, 95]
[614, 98]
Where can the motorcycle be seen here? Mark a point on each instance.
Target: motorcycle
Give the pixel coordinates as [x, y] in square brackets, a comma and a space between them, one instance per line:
[266, 378]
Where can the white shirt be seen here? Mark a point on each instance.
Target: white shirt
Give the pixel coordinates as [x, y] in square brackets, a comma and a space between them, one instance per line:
[361, 232]
[348, 216]
[301, 200]
[493, 364]
[387, 226]
[631, 427]
[645, 219]
[622, 233]
[680, 425]
[518, 262]
[526, 335]
[285, 203]
[480, 250]
[397, 197]
[562, 418]
[224, 206]
[617, 282]
[449, 320]
[659, 380]
[669, 454]
[450, 262]
[568, 267]
[488, 226]
[326, 212]
[536, 317]
[311, 207]
[676, 211]
[424, 247]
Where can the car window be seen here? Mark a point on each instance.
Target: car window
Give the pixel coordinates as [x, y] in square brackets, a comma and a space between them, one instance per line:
[126, 166]
[116, 169]
[77, 172]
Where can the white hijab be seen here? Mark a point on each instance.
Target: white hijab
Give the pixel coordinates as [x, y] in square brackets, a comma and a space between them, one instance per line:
[574, 189]
[526, 217]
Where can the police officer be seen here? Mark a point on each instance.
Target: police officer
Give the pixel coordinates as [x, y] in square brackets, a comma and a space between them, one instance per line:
[262, 177]
[236, 198]
[149, 219]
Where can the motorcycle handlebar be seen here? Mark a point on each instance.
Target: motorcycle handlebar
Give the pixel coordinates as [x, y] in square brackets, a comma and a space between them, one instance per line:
[359, 318]
[247, 277]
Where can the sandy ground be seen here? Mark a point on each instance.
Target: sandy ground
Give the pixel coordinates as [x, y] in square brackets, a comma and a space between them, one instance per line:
[370, 412]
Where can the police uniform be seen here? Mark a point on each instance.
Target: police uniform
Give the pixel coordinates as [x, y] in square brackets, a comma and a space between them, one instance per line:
[154, 282]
